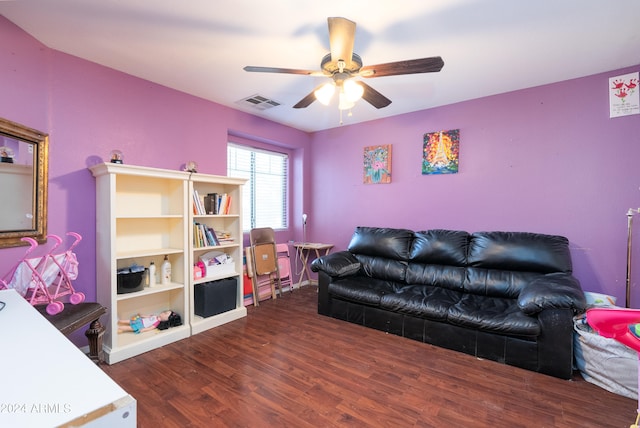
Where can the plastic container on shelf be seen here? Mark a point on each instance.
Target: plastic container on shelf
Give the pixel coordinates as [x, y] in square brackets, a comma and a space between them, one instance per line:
[152, 274]
[165, 271]
[130, 279]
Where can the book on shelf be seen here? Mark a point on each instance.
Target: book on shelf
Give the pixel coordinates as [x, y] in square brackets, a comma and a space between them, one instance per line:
[211, 203]
[197, 236]
[224, 204]
[198, 203]
[224, 237]
[204, 236]
[227, 209]
[201, 200]
[211, 235]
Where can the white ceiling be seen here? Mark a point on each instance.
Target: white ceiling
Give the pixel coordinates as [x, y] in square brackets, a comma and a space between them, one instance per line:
[200, 46]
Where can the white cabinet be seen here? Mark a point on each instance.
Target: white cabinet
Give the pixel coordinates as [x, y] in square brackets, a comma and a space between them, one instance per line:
[142, 215]
[228, 225]
[47, 381]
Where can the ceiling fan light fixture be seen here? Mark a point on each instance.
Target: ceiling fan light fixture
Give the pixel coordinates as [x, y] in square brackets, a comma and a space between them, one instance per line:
[341, 64]
[324, 94]
[353, 90]
[343, 102]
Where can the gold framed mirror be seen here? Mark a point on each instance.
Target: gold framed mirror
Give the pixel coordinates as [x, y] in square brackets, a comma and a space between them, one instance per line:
[24, 163]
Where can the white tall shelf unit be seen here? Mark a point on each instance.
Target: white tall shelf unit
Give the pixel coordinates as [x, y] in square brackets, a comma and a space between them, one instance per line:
[143, 214]
[231, 223]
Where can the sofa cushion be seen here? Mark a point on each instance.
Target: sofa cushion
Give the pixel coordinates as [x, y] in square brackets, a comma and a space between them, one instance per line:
[381, 268]
[341, 263]
[440, 247]
[450, 277]
[361, 289]
[497, 283]
[492, 314]
[423, 301]
[520, 251]
[555, 290]
[381, 242]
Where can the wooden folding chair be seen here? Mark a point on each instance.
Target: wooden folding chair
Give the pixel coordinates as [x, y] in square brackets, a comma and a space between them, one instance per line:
[264, 260]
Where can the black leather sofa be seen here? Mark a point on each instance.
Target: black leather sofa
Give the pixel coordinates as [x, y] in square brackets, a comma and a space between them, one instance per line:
[505, 296]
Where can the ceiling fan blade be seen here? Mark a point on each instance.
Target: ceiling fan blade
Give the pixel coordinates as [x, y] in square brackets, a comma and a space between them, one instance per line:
[342, 34]
[306, 101]
[412, 66]
[252, 68]
[374, 97]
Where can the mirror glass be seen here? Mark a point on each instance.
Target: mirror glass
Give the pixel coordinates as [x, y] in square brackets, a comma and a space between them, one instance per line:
[23, 180]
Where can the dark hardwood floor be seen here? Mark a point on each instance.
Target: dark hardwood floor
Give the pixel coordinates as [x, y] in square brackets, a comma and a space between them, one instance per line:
[285, 365]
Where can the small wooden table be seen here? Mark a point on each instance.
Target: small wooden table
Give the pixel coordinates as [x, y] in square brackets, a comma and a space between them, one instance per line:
[75, 316]
[304, 250]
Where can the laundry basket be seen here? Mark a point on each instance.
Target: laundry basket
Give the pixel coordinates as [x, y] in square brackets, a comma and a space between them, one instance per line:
[602, 361]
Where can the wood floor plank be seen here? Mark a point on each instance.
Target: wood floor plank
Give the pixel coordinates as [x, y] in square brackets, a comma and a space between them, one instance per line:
[284, 365]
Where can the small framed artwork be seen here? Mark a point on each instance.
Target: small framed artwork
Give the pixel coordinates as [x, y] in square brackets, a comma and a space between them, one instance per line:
[377, 164]
[440, 152]
[624, 97]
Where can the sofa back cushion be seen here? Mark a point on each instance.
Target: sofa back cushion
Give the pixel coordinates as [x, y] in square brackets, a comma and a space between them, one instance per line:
[440, 247]
[387, 243]
[496, 282]
[520, 251]
[382, 268]
[449, 277]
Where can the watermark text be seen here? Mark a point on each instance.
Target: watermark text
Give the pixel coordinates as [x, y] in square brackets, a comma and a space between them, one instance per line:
[31, 408]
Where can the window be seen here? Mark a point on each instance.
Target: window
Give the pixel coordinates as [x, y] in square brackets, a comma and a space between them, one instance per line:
[264, 197]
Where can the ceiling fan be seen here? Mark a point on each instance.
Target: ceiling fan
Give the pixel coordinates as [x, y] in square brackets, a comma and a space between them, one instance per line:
[342, 64]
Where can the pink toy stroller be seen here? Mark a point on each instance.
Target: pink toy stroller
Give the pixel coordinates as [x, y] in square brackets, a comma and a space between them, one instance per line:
[46, 279]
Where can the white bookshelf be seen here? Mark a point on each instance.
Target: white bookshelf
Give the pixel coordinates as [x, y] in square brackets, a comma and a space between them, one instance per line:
[231, 223]
[143, 214]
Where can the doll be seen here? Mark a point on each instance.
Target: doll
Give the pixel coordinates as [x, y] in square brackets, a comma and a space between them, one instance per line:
[139, 323]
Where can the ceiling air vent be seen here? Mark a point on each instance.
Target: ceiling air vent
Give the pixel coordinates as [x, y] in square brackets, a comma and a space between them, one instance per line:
[258, 102]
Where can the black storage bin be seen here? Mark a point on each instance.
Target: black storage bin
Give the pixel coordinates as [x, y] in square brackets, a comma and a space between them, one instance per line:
[215, 297]
[130, 282]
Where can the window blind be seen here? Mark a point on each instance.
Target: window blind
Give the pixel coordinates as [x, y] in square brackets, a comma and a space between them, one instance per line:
[264, 196]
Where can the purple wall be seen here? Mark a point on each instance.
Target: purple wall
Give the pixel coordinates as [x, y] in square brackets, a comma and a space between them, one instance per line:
[88, 110]
[546, 159]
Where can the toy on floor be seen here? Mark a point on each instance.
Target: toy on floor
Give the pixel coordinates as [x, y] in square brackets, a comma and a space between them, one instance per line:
[619, 324]
[140, 323]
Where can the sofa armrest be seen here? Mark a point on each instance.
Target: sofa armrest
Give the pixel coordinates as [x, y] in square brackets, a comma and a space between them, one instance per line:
[339, 264]
[554, 290]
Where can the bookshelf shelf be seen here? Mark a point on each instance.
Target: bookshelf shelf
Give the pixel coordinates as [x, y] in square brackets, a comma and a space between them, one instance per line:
[148, 252]
[148, 217]
[150, 290]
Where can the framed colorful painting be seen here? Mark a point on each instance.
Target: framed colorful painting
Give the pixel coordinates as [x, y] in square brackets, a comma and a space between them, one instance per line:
[377, 164]
[440, 152]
